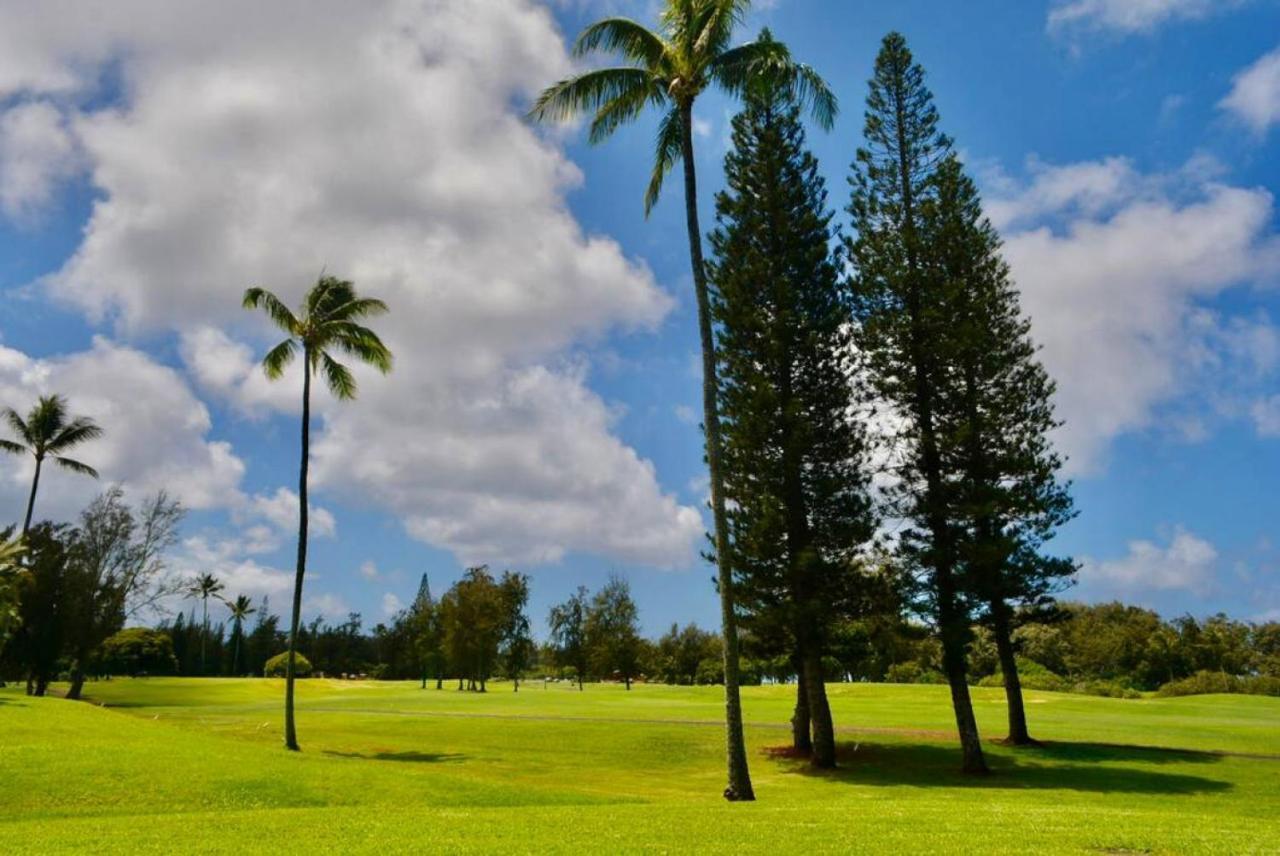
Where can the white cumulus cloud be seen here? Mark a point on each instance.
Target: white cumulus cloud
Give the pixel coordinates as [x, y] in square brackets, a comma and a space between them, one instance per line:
[1131, 16]
[1186, 563]
[1255, 93]
[254, 143]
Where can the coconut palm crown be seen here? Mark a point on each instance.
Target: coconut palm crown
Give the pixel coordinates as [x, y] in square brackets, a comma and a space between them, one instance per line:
[669, 68]
[48, 433]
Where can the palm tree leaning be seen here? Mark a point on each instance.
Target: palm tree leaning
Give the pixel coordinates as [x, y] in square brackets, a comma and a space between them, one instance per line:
[48, 434]
[668, 69]
[327, 322]
[241, 608]
[203, 587]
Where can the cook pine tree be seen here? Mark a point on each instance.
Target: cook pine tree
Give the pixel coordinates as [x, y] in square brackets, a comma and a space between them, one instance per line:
[794, 468]
[1011, 500]
[902, 335]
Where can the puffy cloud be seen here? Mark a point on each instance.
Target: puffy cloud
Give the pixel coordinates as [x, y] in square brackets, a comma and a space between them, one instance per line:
[237, 151]
[391, 604]
[1187, 564]
[1266, 416]
[1255, 93]
[1113, 266]
[37, 152]
[1131, 16]
[369, 570]
[155, 429]
[281, 510]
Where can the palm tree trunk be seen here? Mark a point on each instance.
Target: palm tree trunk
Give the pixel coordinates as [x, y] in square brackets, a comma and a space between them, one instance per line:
[739, 787]
[1018, 733]
[31, 500]
[204, 636]
[290, 732]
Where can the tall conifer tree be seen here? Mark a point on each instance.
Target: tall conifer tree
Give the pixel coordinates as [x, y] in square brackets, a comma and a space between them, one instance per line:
[1011, 500]
[794, 474]
[902, 335]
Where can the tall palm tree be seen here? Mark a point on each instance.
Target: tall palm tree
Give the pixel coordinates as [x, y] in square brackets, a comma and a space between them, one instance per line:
[47, 433]
[327, 322]
[241, 608]
[203, 587]
[668, 69]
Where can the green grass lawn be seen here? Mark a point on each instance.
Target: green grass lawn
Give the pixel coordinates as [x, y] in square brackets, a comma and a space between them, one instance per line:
[169, 765]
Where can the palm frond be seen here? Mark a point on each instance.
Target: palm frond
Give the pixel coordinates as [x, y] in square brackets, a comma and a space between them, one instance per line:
[338, 377]
[356, 307]
[668, 153]
[76, 467]
[17, 424]
[79, 430]
[768, 64]
[281, 315]
[13, 448]
[361, 343]
[587, 93]
[279, 358]
[715, 24]
[326, 295]
[622, 36]
[624, 109]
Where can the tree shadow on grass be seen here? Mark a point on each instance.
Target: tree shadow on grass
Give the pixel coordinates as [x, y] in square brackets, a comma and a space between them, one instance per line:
[1050, 768]
[411, 757]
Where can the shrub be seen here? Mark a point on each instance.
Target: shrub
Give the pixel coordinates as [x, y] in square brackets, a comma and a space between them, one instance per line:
[912, 673]
[1106, 689]
[1032, 676]
[276, 666]
[1203, 683]
[139, 651]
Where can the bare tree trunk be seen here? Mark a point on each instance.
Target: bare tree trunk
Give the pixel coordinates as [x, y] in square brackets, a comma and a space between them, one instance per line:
[31, 500]
[801, 740]
[953, 663]
[77, 680]
[824, 732]
[290, 731]
[1018, 733]
[739, 787]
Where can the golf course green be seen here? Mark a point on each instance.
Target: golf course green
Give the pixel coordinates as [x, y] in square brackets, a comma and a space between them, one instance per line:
[166, 765]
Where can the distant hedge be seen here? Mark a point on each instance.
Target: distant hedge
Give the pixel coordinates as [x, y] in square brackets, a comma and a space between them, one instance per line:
[1203, 683]
[278, 664]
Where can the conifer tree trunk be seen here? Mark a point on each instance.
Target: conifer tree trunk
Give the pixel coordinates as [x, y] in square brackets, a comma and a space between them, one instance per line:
[801, 740]
[739, 787]
[1018, 733]
[824, 732]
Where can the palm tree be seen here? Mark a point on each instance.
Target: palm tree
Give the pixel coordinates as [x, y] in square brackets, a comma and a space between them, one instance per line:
[327, 322]
[48, 433]
[202, 588]
[668, 69]
[241, 608]
[11, 550]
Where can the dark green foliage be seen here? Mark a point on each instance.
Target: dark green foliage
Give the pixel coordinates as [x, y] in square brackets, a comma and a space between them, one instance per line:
[904, 318]
[278, 666]
[568, 623]
[138, 651]
[1202, 683]
[794, 470]
[612, 632]
[516, 647]
[473, 617]
[681, 654]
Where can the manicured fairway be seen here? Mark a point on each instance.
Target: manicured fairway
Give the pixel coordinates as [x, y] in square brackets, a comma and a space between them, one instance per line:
[177, 764]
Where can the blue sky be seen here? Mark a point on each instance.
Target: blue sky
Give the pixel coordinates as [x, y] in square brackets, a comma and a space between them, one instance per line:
[541, 415]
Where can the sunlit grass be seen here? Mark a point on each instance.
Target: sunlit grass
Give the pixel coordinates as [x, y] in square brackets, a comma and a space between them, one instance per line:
[176, 763]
